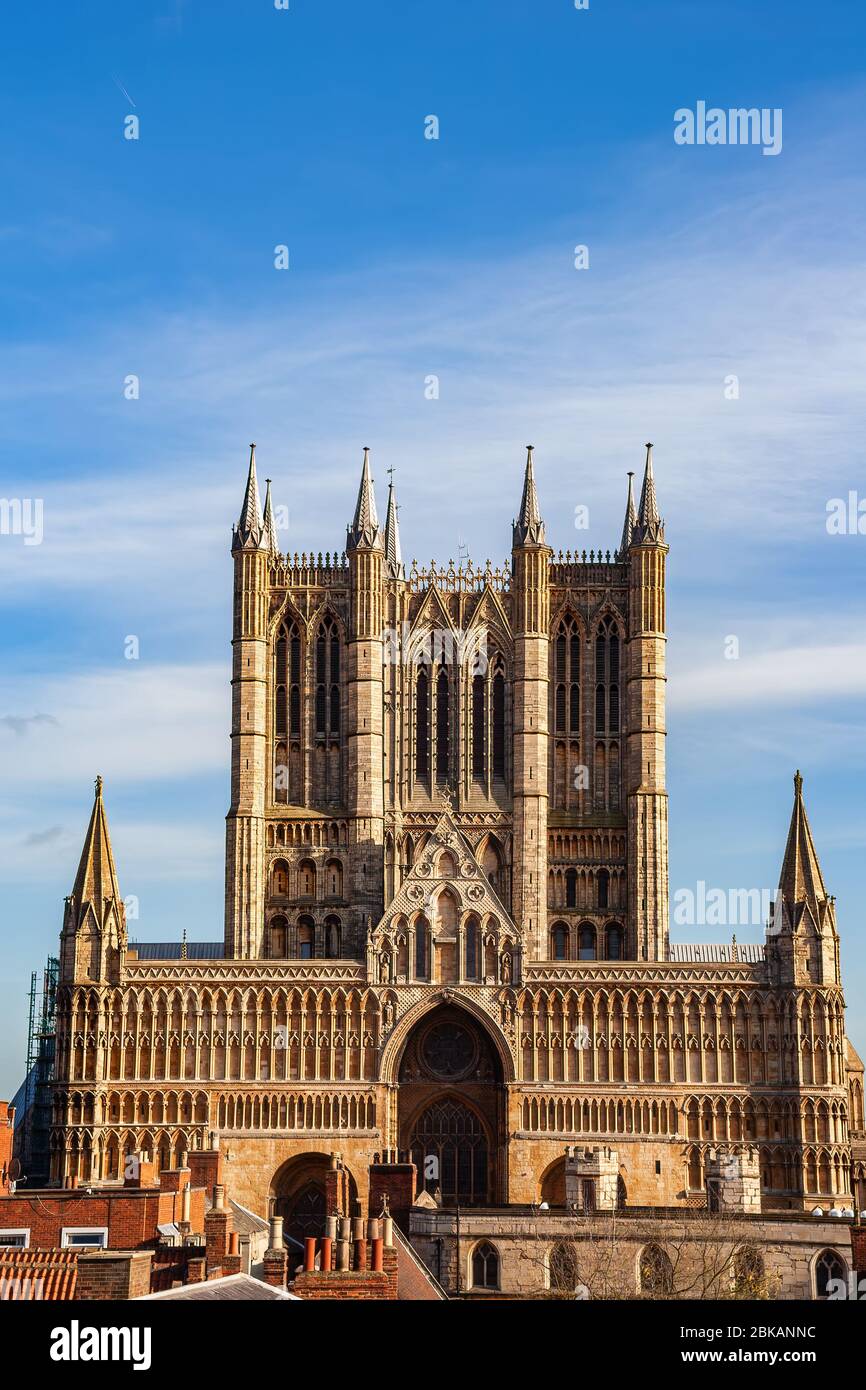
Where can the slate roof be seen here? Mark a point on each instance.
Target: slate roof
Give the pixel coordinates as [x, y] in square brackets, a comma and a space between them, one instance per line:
[232, 1288]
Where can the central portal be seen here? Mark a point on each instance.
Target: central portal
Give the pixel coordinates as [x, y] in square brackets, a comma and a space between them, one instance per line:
[451, 1108]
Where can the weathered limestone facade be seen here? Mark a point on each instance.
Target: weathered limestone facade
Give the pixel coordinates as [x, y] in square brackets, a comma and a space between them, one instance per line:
[446, 925]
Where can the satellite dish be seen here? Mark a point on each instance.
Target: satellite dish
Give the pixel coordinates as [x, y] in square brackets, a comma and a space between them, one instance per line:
[14, 1169]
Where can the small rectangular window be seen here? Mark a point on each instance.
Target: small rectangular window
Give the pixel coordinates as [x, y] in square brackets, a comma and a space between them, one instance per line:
[81, 1237]
[15, 1238]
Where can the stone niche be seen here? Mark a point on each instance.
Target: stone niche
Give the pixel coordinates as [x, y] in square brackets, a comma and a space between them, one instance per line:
[591, 1178]
[733, 1179]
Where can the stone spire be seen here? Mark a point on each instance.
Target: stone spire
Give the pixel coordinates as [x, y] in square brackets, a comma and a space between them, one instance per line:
[630, 520]
[800, 880]
[96, 887]
[528, 528]
[250, 529]
[650, 527]
[269, 525]
[364, 532]
[393, 555]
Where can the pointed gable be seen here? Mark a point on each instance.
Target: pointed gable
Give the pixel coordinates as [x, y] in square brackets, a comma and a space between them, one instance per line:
[468, 882]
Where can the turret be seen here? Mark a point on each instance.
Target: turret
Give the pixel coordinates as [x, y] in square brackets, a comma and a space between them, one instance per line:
[646, 795]
[93, 937]
[365, 551]
[252, 549]
[802, 940]
[530, 587]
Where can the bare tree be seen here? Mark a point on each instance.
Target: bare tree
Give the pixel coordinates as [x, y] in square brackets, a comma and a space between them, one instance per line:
[704, 1256]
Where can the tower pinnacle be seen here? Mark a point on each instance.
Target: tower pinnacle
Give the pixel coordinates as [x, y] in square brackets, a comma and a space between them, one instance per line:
[249, 530]
[96, 883]
[630, 519]
[269, 525]
[529, 527]
[364, 531]
[393, 555]
[650, 527]
[801, 880]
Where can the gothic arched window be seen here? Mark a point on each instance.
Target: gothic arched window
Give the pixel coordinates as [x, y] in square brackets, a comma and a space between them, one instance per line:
[498, 716]
[472, 949]
[828, 1266]
[563, 1267]
[422, 949]
[422, 716]
[288, 776]
[485, 1267]
[478, 722]
[327, 679]
[656, 1272]
[566, 705]
[571, 887]
[443, 726]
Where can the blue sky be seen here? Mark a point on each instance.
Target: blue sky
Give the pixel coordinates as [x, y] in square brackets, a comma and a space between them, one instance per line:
[409, 258]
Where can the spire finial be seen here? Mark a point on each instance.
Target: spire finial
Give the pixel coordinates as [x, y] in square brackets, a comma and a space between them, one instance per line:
[798, 783]
[98, 788]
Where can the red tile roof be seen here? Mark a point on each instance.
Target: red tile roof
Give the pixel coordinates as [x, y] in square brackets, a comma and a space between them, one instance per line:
[38, 1274]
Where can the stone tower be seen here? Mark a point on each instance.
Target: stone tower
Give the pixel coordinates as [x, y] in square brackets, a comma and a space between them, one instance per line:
[646, 797]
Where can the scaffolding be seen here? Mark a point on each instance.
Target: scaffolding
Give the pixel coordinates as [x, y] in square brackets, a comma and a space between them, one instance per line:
[34, 1142]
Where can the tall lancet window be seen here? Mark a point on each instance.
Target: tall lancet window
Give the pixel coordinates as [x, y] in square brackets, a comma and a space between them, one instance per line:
[422, 722]
[443, 726]
[327, 713]
[479, 719]
[498, 717]
[607, 714]
[288, 765]
[566, 786]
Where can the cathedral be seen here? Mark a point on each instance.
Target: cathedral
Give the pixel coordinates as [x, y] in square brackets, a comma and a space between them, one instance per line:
[446, 935]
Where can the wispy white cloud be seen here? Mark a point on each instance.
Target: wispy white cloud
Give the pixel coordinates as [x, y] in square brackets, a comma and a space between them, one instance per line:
[141, 722]
[801, 675]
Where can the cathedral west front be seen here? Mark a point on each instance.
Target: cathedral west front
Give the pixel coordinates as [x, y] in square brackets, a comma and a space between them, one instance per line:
[446, 930]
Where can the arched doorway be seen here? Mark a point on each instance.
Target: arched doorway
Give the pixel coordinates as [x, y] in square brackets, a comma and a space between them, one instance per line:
[451, 1108]
[298, 1195]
